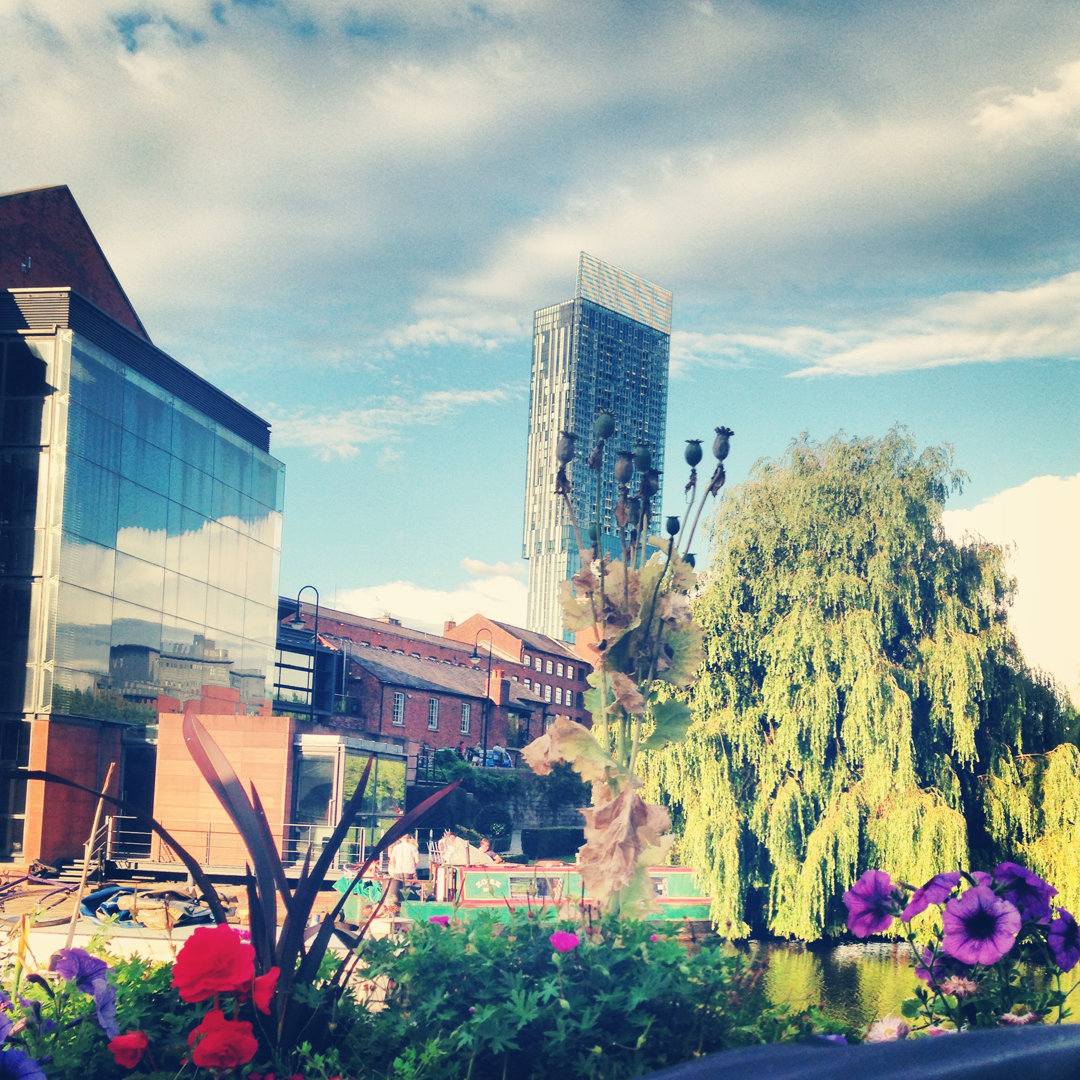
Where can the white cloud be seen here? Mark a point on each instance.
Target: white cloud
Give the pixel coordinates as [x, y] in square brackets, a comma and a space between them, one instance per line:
[1041, 321]
[341, 433]
[500, 569]
[498, 596]
[1040, 522]
[1038, 113]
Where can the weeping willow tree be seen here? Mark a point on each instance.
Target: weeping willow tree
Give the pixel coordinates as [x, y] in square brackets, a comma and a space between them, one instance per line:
[862, 703]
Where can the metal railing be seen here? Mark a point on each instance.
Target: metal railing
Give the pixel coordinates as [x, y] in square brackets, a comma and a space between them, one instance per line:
[127, 843]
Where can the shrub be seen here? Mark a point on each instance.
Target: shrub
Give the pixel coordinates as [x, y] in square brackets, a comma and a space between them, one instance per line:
[533, 998]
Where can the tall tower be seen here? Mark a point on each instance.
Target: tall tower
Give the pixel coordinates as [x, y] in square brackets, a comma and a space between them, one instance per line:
[608, 348]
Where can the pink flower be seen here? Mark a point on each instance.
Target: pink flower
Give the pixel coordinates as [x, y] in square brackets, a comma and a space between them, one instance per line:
[442, 920]
[959, 987]
[888, 1030]
[565, 941]
[1019, 1015]
[655, 937]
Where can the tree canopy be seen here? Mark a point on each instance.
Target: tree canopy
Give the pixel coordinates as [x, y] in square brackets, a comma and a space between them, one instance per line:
[862, 702]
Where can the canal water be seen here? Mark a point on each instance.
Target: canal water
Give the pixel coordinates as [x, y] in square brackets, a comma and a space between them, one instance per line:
[855, 984]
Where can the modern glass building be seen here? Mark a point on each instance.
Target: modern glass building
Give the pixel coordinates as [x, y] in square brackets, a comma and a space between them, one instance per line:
[608, 348]
[140, 535]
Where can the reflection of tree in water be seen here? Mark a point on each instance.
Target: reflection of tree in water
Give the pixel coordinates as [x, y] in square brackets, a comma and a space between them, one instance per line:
[856, 984]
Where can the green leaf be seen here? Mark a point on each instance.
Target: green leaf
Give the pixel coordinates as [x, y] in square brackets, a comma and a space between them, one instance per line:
[672, 719]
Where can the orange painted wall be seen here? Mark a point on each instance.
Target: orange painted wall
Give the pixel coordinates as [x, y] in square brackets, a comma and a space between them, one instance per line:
[58, 818]
[259, 748]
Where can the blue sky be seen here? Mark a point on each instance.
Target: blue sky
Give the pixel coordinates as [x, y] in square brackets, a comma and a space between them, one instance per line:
[345, 215]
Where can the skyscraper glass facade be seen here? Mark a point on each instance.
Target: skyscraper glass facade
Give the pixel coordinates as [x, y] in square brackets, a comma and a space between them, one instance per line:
[140, 534]
[608, 348]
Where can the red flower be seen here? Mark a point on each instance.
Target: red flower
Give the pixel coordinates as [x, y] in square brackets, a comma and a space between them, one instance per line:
[222, 1044]
[128, 1049]
[213, 960]
[262, 989]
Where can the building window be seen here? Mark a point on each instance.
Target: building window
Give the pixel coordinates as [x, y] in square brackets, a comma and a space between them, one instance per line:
[548, 721]
[558, 695]
[570, 672]
[433, 714]
[547, 692]
[528, 684]
[466, 717]
[399, 709]
[559, 670]
[539, 664]
[525, 659]
[550, 667]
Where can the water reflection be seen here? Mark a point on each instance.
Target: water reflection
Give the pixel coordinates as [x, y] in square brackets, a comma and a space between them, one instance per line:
[854, 984]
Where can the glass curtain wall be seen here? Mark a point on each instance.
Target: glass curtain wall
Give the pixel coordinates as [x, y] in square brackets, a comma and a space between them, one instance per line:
[166, 575]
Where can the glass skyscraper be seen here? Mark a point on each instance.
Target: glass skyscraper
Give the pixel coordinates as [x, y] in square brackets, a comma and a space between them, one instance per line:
[607, 348]
[140, 536]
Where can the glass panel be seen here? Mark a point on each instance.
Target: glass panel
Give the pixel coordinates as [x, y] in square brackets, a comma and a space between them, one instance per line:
[97, 386]
[90, 566]
[313, 792]
[145, 413]
[142, 522]
[133, 625]
[91, 501]
[144, 463]
[190, 486]
[185, 597]
[139, 581]
[19, 486]
[83, 629]
[92, 436]
[224, 611]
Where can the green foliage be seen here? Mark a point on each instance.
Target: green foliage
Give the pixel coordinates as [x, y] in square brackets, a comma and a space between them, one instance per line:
[486, 1000]
[862, 702]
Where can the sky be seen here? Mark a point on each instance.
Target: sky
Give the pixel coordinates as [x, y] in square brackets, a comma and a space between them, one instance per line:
[346, 213]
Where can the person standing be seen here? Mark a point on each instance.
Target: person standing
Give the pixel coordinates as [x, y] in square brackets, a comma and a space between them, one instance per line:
[404, 858]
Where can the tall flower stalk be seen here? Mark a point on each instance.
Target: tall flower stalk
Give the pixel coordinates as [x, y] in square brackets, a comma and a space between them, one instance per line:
[631, 610]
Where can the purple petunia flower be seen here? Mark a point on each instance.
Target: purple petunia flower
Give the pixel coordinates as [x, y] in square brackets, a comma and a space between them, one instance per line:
[442, 920]
[79, 967]
[5, 1026]
[935, 891]
[871, 902]
[1026, 890]
[980, 927]
[105, 1007]
[1063, 938]
[15, 1065]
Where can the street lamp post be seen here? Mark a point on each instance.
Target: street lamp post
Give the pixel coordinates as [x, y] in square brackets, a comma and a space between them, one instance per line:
[297, 623]
[474, 659]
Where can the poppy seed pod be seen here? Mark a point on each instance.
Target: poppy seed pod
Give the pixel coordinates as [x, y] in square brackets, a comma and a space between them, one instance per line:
[721, 444]
[624, 467]
[604, 424]
[689, 559]
[642, 457]
[564, 448]
[692, 453]
[650, 484]
[672, 525]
